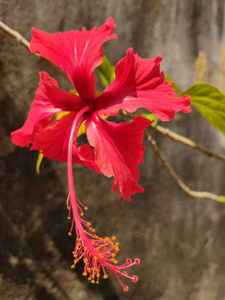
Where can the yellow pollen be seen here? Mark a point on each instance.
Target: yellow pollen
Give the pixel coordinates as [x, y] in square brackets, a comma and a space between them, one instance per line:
[81, 214]
[72, 267]
[68, 218]
[115, 261]
[86, 208]
[113, 254]
[84, 274]
[113, 237]
[69, 233]
[92, 281]
[95, 258]
[85, 248]
[105, 276]
[88, 224]
[93, 230]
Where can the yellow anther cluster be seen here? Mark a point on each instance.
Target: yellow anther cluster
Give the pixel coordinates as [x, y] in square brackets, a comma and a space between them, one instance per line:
[96, 252]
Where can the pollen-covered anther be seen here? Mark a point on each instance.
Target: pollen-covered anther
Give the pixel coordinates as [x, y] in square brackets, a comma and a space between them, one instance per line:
[105, 276]
[86, 208]
[68, 218]
[84, 273]
[69, 233]
[72, 267]
[126, 288]
[82, 214]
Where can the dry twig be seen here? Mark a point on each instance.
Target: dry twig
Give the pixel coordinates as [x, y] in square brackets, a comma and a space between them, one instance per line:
[176, 178]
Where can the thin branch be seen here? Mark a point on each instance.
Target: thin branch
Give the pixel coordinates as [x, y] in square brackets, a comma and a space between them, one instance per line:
[188, 142]
[178, 138]
[174, 175]
[20, 39]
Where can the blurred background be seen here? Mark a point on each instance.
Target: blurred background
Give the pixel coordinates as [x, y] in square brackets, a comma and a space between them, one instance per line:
[180, 240]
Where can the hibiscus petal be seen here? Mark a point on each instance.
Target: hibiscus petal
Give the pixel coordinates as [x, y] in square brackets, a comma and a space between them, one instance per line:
[53, 142]
[118, 151]
[139, 83]
[49, 101]
[77, 53]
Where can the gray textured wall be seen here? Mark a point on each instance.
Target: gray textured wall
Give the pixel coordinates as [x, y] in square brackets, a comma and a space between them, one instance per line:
[180, 240]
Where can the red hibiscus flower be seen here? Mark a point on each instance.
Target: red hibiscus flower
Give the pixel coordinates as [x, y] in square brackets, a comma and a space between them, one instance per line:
[113, 149]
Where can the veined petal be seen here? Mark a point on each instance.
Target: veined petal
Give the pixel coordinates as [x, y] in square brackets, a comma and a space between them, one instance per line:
[49, 101]
[139, 83]
[78, 53]
[118, 151]
[53, 142]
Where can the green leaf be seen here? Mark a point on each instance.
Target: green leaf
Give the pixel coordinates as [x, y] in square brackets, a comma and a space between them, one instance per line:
[106, 72]
[222, 199]
[175, 86]
[150, 116]
[210, 102]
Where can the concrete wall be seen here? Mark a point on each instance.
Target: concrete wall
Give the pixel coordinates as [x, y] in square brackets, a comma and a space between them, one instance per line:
[180, 240]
